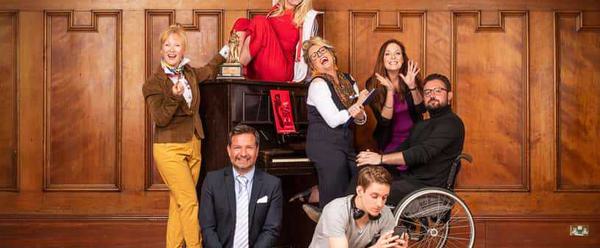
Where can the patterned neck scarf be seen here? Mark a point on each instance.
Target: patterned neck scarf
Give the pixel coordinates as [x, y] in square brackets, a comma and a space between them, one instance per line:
[176, 75]
[343, 89]
[174, 70]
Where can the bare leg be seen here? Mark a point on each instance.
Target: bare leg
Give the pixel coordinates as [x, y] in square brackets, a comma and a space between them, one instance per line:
[310, 195]
[245, 57]
[314, 194]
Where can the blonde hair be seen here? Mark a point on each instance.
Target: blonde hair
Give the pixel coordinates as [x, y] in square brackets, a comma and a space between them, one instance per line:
[174, 29]
[300, 11]
[316, 41]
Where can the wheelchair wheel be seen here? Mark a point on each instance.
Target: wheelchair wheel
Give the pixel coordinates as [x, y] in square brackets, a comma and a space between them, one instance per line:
[435, 217]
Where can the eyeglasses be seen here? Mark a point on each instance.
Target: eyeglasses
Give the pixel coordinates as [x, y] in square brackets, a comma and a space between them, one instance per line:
[437, 91]
[318, 53]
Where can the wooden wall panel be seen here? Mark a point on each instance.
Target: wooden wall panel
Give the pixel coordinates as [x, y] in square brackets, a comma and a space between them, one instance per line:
[370, 29]
[82, 102]
[438, 43]
[526, 140]
[337, 26]
[82, 231]
[205, 39]
[538, 231]
[490, 77]
[577, 53]
[9, 176]
[330, 5]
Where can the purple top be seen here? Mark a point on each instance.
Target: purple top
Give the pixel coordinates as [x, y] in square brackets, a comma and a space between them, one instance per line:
[401, 125]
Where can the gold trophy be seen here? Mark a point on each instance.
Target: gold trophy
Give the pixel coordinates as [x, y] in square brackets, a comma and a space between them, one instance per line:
[232, 68]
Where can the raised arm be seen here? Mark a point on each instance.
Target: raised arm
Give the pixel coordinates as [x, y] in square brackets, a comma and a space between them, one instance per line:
[210, 70]
[162, 105]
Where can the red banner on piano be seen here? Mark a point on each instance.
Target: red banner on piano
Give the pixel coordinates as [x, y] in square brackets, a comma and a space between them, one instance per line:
[282, 111]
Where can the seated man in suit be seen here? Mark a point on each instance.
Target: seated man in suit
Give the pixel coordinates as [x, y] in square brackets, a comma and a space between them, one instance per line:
[240, 205]
[431, 147]
[361, 220]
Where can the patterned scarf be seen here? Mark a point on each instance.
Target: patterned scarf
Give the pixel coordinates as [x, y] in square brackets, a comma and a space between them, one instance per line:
[344, 89]
[176, 75]
[175, 70]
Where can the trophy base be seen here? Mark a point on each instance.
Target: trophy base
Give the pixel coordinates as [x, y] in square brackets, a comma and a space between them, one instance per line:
[230, 78]
[230, 71]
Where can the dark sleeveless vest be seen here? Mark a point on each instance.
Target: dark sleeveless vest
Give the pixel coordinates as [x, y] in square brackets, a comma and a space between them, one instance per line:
[318, 128]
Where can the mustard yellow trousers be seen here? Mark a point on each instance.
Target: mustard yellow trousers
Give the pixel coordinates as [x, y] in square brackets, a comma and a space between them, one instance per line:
[179, 167]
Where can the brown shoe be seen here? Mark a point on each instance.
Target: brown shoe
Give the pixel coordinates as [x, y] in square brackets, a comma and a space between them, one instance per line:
[302, 196]
[313, 213]
[310, 195]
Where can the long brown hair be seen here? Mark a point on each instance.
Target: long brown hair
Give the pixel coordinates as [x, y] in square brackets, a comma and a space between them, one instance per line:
[372, 82]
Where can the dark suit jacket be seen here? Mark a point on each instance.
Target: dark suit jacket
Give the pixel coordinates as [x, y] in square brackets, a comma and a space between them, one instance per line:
[176, 122]
[217, 209]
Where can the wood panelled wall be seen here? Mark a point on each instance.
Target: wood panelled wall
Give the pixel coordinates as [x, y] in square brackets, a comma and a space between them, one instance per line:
[75, 154]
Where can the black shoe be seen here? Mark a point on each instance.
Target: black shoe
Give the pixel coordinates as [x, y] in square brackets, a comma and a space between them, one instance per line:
[313, 213]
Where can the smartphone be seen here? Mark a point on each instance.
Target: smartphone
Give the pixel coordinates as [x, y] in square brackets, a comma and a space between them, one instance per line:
[399, 230]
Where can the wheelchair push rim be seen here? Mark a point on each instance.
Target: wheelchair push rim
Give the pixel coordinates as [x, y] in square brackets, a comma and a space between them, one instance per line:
[436, 217]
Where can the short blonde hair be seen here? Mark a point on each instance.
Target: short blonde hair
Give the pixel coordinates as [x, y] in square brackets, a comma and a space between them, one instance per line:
[320, 42]
[174, 29]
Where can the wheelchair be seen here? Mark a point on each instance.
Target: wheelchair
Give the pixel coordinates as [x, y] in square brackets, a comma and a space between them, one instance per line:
[435, 216]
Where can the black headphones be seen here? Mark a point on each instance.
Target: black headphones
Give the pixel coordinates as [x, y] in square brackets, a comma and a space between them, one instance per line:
[358, 213]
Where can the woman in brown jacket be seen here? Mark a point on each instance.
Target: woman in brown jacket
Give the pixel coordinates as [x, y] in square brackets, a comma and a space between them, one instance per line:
[173, 96]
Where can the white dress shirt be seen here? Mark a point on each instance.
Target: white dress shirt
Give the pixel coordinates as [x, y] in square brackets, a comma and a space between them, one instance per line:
[319, 96]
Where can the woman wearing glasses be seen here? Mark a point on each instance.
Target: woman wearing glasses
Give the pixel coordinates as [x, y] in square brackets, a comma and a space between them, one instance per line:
[399, 104]
[334, 106]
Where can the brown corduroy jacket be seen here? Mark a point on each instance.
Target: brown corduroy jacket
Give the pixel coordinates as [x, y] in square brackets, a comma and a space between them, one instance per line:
[174, 121]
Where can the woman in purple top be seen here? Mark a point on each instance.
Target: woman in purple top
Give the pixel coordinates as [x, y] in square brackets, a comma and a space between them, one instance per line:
[399, 104]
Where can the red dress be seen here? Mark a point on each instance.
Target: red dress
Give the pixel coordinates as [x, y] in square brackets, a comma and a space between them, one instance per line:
[272, 46]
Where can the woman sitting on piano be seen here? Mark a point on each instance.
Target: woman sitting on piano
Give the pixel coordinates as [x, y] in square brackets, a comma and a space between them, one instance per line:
[271, 45]
[334, 106]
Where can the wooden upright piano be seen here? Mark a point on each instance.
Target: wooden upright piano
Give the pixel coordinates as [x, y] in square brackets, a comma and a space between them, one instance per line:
[226, 103]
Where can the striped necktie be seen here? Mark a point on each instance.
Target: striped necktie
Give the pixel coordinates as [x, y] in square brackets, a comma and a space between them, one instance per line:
[240, 239]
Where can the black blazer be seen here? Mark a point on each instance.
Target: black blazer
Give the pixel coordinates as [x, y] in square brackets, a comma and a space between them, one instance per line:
[217, 209]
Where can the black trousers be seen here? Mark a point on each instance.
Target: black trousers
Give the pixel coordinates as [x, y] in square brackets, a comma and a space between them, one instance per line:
[335, 160]
[400, 188]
